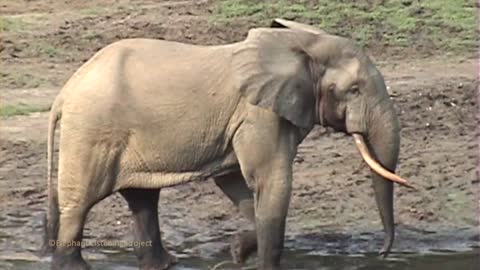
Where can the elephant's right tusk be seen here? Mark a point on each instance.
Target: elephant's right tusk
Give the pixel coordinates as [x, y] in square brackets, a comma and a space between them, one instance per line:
[377, 167]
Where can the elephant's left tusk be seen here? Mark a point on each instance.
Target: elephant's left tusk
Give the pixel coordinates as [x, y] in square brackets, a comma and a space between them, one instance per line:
[377, 167]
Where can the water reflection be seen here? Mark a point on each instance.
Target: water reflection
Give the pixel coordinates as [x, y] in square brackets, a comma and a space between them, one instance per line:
[293, 260]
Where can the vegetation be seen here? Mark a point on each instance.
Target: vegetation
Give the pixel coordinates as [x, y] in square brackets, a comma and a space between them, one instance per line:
[20, 109]
[43, 43]
[441, 24]
[11, 24]
[21, 23]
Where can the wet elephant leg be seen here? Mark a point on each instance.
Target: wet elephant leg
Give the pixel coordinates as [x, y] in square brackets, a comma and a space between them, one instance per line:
[80, 172]
[144, 206]
[243, 243]
[273, 197]
[67, 254]
[74, 205]
[265, 146]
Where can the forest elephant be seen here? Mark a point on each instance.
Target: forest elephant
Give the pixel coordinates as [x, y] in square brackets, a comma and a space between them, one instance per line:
[145, 114]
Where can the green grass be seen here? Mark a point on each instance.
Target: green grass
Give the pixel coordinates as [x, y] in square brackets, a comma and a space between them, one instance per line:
[20, 109]
[442, 24]
[47, 49]
[12, 24]
[23, 23]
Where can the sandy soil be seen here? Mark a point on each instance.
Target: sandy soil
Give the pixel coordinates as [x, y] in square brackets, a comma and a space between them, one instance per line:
[332, 208]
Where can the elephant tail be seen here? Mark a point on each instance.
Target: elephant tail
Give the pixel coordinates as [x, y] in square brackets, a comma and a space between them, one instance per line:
[51, 218]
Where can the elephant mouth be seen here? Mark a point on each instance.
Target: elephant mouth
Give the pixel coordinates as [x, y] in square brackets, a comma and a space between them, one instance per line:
[326, 118]
[374, 165]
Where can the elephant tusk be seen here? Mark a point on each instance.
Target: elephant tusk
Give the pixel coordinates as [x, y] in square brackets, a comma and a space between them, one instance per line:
[377, 167]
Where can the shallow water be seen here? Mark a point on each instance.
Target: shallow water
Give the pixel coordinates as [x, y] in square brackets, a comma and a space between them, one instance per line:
[294, 260]
[415, 249]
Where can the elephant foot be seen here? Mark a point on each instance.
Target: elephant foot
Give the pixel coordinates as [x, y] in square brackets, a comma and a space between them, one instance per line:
[243, 245]
[72, 261]
[162, 262]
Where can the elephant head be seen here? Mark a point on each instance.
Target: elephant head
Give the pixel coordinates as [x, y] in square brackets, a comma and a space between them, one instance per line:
[310, 77]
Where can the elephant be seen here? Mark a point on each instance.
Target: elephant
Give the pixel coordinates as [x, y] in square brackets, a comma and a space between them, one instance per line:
[145, 114]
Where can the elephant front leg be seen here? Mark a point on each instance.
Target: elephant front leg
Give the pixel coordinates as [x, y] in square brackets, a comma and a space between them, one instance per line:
[271, 206]
[144, 206]
[243, 243]
[265, 151]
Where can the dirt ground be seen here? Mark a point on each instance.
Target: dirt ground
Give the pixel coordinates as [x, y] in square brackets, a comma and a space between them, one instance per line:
[332, 208]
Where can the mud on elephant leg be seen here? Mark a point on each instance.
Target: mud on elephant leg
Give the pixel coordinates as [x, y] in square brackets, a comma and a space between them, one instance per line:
[74, 204]
[272, 202]
[266, 157]
[66, 254]
[144, 206]
[243, 243]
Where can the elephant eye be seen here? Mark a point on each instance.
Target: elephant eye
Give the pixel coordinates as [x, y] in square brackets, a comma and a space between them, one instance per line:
[331, 87]
[354, 90]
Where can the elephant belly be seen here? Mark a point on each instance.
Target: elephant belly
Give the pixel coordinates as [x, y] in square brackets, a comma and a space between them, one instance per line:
[144, 178]
[172, 154]
[151, 169]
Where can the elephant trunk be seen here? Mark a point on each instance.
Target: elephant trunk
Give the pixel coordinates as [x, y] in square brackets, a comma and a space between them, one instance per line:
[380, 151]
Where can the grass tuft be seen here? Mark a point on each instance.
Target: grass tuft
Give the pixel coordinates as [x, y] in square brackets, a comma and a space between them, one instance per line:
[20, 109]
[12, 24]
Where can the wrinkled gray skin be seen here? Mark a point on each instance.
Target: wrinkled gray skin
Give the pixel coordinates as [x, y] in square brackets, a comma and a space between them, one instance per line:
[146, 114]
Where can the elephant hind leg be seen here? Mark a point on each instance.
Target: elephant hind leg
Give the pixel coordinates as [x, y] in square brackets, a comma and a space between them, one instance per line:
[87, 173]
[67, 254]
[73, 213]
[150, 251]
[234, 186]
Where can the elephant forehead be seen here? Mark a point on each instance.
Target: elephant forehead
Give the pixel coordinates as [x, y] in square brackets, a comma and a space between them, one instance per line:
[343, 74]
[350, 67]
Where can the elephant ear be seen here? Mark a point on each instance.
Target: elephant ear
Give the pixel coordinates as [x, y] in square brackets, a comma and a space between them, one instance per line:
[282, 23]
[272, 71]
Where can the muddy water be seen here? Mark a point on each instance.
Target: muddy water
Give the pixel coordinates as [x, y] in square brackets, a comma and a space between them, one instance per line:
[295, 260]
[414, 250]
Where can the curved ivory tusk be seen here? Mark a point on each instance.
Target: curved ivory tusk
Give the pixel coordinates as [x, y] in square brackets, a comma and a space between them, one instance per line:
[363, 149]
